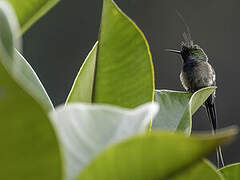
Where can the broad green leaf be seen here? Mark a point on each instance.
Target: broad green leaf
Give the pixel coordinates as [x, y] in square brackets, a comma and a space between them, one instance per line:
[162, 155]
[177, 108]
[29, 11]
[86, 129]
[231, 172]
[119, 69]
[29, 148]
[15, 62]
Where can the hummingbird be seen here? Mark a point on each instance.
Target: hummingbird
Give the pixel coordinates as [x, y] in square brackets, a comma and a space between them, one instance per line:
[198, 73]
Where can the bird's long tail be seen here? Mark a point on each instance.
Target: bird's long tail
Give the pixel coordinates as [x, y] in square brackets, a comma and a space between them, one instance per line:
[212, 116]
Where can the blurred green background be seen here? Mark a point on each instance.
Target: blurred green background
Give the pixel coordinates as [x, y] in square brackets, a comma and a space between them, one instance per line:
[57, 45]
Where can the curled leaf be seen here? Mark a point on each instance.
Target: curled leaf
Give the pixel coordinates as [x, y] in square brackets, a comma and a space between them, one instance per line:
[85, 130]
[177, 108]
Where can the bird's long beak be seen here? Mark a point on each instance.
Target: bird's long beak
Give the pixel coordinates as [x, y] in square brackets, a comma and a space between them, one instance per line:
[173, 51]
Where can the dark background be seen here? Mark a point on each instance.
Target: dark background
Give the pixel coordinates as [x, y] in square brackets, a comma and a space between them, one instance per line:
[57, 45]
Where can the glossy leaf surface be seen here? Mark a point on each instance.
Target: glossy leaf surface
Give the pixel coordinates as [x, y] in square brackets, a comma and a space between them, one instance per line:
[162, 155]
[177, 108]
[231, 172]
[85, 130]
[119, 69]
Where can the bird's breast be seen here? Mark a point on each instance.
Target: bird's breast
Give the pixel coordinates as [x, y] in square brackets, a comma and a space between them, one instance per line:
[189, 66]
[197, 75]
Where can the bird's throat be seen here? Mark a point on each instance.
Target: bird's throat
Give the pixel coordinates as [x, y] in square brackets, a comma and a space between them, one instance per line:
[189, 64]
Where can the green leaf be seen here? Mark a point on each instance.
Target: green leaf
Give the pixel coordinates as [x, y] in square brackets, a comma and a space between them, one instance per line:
[83, 84]
[86, 129]
[30, 81]
[119, 69]
[231, 172]
[17, 65]
[177, 108]
[9, 30]
[160, 156]
[199, 171]
[29, 11]
[29, 148]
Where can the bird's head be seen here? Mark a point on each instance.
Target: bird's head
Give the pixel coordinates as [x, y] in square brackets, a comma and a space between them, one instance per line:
[190, 51]
[194, 52]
